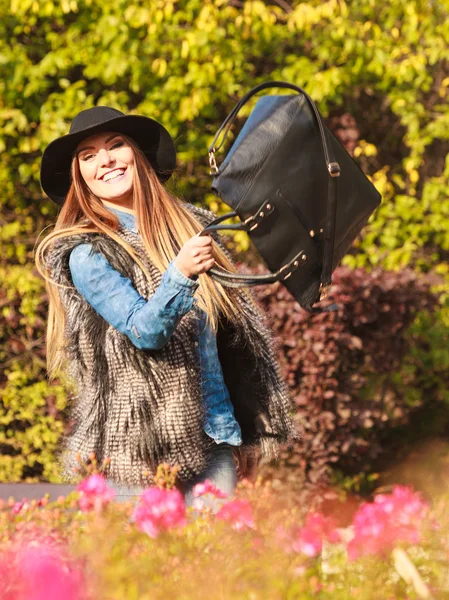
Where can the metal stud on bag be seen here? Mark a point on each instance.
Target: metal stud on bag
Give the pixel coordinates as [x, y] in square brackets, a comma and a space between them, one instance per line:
[324, 290]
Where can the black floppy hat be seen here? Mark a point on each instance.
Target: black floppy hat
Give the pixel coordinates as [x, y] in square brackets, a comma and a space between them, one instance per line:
[151, 137]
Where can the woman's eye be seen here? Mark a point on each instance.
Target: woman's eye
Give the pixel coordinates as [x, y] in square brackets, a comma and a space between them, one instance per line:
[117, 144]
[87, 157]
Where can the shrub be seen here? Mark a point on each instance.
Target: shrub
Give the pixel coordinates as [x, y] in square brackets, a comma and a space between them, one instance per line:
[378, 72]
[30, 408]
[361, 370]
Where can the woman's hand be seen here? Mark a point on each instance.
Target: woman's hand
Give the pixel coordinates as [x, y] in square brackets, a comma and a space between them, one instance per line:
[196, 256]
[246, 462]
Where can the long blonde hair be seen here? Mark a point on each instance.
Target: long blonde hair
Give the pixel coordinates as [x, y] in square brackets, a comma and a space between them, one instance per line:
[165, 224]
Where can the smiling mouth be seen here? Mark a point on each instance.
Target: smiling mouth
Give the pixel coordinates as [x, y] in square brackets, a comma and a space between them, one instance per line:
[114, 176]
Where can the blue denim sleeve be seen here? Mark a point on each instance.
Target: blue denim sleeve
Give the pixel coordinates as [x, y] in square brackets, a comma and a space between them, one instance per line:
[150, 323]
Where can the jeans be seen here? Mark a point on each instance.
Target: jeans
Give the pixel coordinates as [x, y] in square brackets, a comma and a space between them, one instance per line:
[220, 470]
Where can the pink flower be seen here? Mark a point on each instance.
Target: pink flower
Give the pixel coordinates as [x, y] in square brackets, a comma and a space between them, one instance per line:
[405, 504]
[207, 487]
[308, 539]
[238, 513]
[160, 510]
[20, 507]
[41, 572]
[308, 543]
[49, 576]
[391, 518]
[94, 493]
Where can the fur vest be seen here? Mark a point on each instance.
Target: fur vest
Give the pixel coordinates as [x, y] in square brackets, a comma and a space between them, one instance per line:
[140, 408]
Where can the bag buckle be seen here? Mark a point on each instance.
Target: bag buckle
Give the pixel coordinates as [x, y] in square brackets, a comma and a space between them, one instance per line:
[213, 163]
[334, 169]
[324, 290]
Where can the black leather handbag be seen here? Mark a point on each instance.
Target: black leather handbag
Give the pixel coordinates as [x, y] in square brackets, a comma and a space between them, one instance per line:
[298, 193]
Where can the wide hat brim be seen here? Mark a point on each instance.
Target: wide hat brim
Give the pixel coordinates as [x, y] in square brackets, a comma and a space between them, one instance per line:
[151, 137]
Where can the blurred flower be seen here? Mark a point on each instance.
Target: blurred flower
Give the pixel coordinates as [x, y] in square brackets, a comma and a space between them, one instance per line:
[207, 487]
[159, 510]
[20, 507]
[391, 518]
[95, 493]
[308, 539]
[238, 513]
[37, 571]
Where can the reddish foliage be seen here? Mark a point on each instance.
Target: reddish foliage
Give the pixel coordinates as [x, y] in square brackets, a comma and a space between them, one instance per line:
[344, 367]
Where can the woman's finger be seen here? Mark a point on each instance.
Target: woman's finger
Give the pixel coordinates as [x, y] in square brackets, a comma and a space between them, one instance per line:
[206, 265]
[202, 240]
[205, 254]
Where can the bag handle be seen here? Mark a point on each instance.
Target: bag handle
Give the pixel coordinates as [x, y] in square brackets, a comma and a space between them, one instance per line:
[334, 170]
[240, 280]
[229, 279]
[332, 165]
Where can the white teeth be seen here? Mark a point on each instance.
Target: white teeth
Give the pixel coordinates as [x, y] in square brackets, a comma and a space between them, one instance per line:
[113, 175]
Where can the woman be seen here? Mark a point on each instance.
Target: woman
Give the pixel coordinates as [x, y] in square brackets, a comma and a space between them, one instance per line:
[167, 366]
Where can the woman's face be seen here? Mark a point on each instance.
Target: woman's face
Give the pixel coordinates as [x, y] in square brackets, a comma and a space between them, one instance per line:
[106, 163]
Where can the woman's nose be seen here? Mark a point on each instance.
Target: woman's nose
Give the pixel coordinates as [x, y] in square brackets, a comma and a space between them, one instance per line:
[104, 158]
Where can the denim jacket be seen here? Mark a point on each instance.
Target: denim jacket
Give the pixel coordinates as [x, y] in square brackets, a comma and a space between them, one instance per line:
[149, 324]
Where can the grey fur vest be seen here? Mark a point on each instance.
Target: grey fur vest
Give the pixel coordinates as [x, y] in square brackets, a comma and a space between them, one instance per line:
[143, 407]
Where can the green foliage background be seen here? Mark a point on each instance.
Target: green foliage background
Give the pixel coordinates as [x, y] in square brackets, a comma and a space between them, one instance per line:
[379, 70]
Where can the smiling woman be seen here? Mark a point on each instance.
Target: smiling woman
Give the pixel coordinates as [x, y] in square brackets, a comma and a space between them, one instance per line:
[167, 366]
[106, 164]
